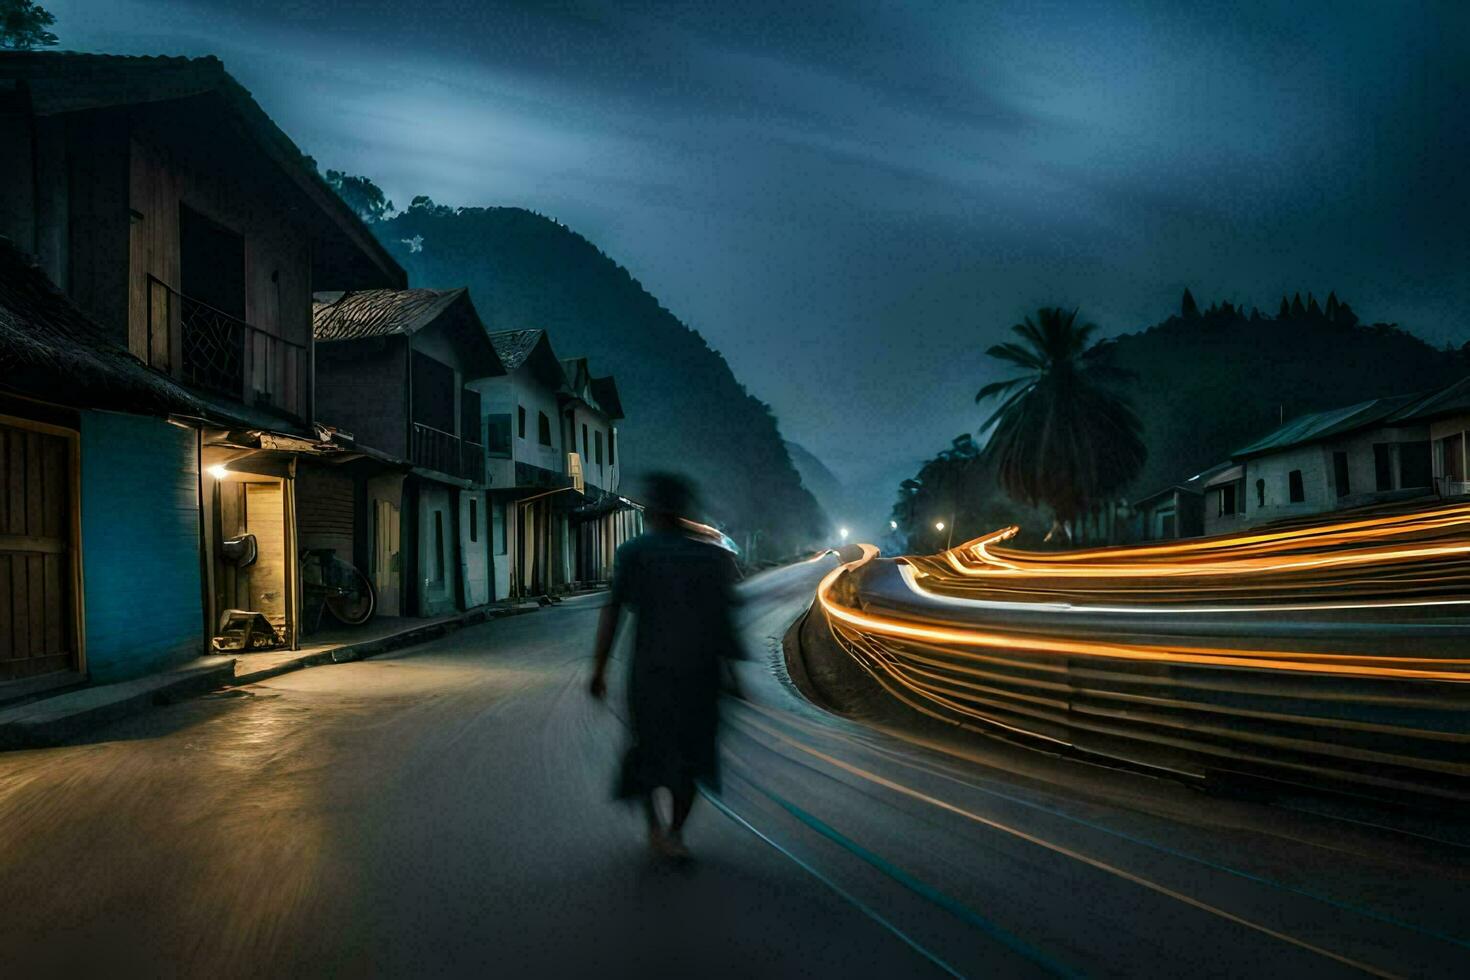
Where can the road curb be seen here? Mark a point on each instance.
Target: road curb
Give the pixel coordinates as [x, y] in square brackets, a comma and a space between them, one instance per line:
[54, 721]
[57, 720]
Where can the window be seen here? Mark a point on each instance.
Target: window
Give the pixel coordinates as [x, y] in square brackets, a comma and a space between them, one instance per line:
[1340, 474]
[585, 454]
[1260, 493]
[497, 435]
[1382, 466]
[521, 421]
[436, 567]
[497, 528]
[474, 520]
[469, 416]
[543, 428]
[1227, 500]
[433, 393]
[612, 447]
[1295, 492]
[598, 447]
[211, 263]
[1414, 468]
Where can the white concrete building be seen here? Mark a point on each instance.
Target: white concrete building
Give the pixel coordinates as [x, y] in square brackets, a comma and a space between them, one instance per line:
[591, 408]
[526, 464]
[1345, 457]
[1446, 413]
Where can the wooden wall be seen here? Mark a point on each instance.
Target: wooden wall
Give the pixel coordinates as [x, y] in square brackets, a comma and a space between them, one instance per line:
[37, 633]
[361, 386]
[277, 264]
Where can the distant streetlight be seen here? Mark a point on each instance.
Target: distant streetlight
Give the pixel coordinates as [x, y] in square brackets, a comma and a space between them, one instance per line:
[893, 525]
[843, 532]
[949, 541]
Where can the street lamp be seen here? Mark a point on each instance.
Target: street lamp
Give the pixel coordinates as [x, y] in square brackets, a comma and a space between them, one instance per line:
[893, 525]
[949, 541]
[842, 532]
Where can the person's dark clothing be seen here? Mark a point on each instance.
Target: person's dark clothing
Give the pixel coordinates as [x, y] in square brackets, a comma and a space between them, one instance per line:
[680, 592]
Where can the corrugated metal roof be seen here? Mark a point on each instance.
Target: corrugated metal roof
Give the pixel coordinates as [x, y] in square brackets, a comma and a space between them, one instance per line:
[378, 312]
[1450, 400]
[1323, 425]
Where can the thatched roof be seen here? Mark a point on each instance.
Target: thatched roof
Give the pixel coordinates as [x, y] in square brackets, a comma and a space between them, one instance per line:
[363, 314]
[533, 347]
[51, 351]
[378, 312]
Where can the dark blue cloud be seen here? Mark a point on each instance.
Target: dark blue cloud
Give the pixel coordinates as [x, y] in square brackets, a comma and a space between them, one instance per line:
[853, 200]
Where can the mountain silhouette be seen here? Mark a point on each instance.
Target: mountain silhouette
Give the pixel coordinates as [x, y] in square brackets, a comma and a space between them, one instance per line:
[685, 409]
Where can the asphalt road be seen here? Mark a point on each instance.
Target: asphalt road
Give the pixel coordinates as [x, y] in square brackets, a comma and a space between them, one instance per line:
[445, 811]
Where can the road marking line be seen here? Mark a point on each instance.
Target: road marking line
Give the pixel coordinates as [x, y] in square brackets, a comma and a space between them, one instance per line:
[1070, 853]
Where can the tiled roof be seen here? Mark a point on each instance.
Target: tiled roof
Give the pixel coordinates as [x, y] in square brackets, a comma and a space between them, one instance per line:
[1323, 425]
[378, 312]
[52, 351]
[515, 346]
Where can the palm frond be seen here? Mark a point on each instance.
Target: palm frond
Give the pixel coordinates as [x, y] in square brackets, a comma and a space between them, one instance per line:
[997, 388]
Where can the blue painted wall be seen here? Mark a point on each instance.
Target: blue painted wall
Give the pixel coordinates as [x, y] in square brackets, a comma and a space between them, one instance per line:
[140, 545]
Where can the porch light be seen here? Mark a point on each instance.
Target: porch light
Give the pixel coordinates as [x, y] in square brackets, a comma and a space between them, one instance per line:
[219, 471]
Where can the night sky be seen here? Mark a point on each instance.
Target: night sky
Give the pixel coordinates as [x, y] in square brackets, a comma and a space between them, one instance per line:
[853, 202]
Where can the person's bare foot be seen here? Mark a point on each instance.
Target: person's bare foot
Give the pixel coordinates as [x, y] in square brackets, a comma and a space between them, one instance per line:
[673, 846]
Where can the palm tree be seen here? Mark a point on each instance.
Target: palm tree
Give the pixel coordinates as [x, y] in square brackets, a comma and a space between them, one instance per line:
[1064, 437]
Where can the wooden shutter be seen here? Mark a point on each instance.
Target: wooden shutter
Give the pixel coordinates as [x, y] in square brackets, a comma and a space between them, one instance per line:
[37, 619]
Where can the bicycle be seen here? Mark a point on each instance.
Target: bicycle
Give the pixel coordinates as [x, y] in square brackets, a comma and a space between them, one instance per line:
[334, 586]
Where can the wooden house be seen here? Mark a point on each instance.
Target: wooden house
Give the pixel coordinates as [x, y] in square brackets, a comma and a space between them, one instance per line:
[169, 208]
[400, 369]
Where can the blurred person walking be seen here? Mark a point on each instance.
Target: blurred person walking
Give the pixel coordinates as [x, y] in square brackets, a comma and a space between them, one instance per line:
[679, 588]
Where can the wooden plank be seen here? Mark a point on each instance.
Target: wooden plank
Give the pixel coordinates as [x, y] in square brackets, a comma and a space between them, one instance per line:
[35, 499]
[54, 496]
[56, 605]
[16, 482]
[7, 626]
[20, 605]
[36, 574]
[25, 544]
[5, 477]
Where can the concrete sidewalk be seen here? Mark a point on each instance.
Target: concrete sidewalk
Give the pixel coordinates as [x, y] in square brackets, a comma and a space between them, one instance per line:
[67, 716]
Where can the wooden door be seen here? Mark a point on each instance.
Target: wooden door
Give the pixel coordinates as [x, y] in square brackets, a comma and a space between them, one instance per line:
[387, 543]
[37, 611]
[265, 517]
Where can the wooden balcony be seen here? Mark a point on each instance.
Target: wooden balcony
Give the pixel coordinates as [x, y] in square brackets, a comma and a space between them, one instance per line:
[445, 452]
[211, 350]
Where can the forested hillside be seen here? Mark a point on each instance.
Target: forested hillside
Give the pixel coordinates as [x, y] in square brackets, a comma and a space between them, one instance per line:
[1209, 382]
[685, 409]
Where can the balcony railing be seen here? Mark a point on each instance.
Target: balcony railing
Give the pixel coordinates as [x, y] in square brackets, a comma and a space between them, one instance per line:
[436, 449]
[209, 349]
